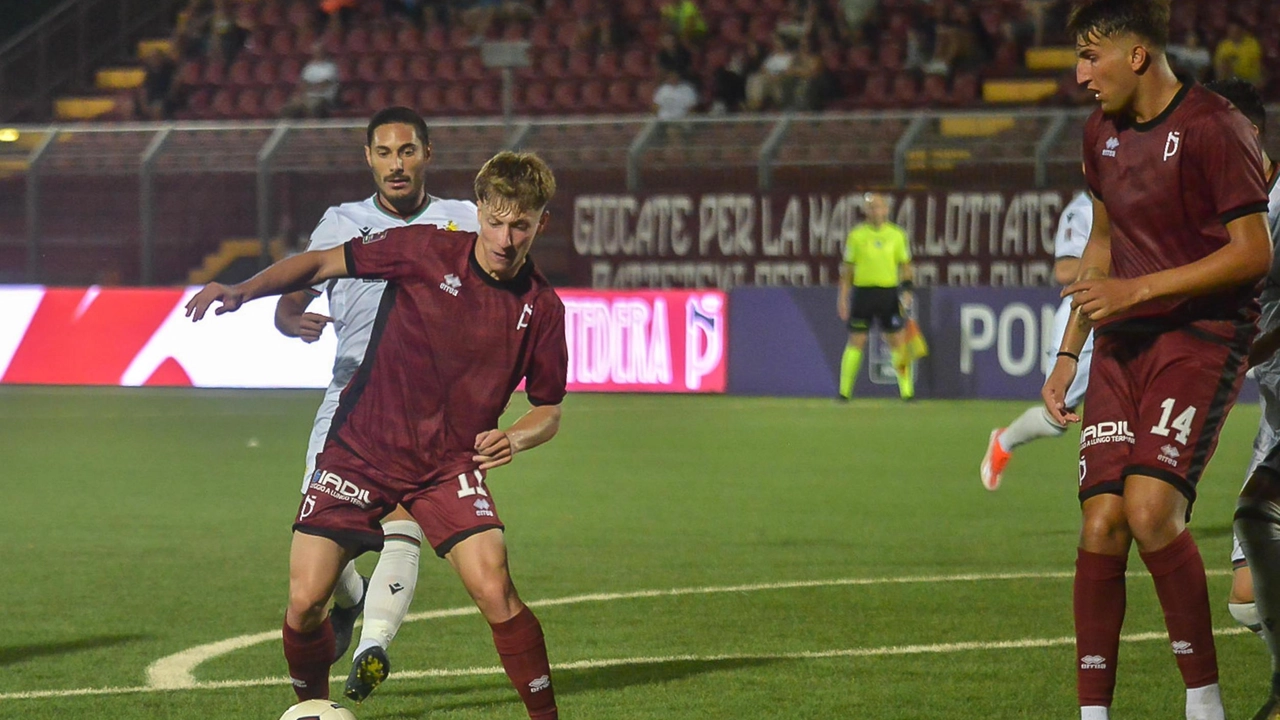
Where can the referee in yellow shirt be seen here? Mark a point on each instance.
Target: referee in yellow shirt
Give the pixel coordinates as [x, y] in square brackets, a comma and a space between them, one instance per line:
[877, 266]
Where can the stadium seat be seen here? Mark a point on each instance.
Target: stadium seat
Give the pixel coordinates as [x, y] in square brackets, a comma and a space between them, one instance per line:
[486, 99]
[435, 39]
[409, 40]
[536, 99]
[446, 67]
[290, 70]
[731, 30]
[378, 97]
[274, 100]
[760, 29]
[214, 74]
[593, 97]
[197, 105]
[566, 35]
[300, 13]
[540, 36]
[905, 91]
[332, 41]
[191, 74]
[619, 97]
[457, 99]
[564, 97]
[636, 64]
[890, 55]
[266, 72]
[608, 65]
[875, 93]
[270, 15]
[644, 94]
[404, 95]
[966, 89]
[551, 65]
[459, 38]
[934, 92]
[579, 65]
[419, 69]
[368, 69]
[249, 103]
[351, 98]
[514, 30]
[393, 68]
[281, 43]
[430, 100]
[860, 58]
[356, 41]
[472, 68]
[240, 73]
[382, 39]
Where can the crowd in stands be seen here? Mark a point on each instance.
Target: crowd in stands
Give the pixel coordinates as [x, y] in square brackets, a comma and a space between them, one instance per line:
[320, 58]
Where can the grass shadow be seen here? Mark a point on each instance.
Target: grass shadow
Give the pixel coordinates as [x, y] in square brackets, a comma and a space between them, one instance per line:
[21, 653]
[568, 682]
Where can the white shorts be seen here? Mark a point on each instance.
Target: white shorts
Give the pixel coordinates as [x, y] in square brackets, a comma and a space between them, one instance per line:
[320, 428]
[1265, 451]
[1075, 393]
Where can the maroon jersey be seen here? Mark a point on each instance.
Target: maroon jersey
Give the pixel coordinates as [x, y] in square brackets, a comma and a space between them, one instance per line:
[449, 346]
[1170, 186]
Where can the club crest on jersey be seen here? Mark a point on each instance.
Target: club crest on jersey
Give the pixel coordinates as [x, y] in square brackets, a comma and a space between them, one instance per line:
[1171, 145]
[1112, 144]
[451, 284]
[525, 314]
[451, 226]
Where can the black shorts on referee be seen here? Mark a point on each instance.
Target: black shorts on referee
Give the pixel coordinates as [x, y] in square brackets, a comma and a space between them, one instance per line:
[871, 306]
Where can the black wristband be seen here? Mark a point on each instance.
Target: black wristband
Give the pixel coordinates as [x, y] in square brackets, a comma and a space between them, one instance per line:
[906, 286]
[1073, 356]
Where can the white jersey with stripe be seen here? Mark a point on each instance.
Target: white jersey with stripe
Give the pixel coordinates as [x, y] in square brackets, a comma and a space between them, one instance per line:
[1072, 235]
[1265, 450]
[353, 303]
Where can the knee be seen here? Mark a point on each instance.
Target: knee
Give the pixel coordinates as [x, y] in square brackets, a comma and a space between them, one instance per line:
[1152, 527]
[496, 598]
[306, 608]
[1104, 532]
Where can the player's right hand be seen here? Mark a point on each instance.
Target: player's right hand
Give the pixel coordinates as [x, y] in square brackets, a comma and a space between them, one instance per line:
[230, 298]
[1054, 391]
[311, 326]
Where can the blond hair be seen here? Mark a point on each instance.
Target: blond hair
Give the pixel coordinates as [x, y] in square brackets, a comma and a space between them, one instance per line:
[519, 181]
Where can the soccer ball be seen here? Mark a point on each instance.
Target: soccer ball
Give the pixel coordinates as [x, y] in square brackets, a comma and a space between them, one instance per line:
[317, 710]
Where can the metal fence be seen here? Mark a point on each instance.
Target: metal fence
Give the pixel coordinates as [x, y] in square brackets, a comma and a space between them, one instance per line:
[953, 150]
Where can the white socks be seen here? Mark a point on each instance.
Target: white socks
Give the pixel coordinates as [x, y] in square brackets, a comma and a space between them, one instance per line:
[1247, 615]
[350, 587]
[391, 587]
[1095, 712]
[1205, 703]
[1030, 425]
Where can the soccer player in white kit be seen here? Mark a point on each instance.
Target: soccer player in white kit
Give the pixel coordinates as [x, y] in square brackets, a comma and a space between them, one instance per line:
[1266, 366]
[1034, 423]
[397, 151]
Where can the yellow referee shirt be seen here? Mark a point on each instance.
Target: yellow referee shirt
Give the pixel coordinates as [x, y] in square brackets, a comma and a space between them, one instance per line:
[876, 254]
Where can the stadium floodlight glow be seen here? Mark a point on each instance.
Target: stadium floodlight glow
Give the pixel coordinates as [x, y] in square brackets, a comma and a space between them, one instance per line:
[9, 135]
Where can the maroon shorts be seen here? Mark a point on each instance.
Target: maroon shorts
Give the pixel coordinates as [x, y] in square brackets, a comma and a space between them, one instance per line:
[1155, 406]
[347, 497]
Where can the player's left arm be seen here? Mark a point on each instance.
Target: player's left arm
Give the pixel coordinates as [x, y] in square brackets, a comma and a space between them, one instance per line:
[292, 273]
[545, 383]
[495, 447]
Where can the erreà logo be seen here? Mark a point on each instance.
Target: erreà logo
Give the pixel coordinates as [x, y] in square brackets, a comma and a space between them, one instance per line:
[1112, 144]
[1093, 662]
[451, 284]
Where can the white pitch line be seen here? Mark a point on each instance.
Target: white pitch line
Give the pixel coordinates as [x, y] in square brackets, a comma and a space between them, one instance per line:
[178, 671]
[885, 651]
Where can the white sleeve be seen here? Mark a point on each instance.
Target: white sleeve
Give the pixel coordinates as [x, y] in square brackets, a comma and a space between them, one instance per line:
[329, 233]
[468, 219]
[1073, 230]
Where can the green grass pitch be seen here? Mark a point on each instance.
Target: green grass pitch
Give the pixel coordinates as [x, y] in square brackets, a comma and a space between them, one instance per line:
[142, 523]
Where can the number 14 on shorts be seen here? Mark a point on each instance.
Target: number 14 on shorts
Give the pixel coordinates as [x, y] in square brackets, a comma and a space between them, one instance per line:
[1182, 423]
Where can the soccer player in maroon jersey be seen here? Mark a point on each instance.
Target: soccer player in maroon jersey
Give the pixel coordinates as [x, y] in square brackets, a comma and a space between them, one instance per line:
[1167, 283]
[463, 320]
